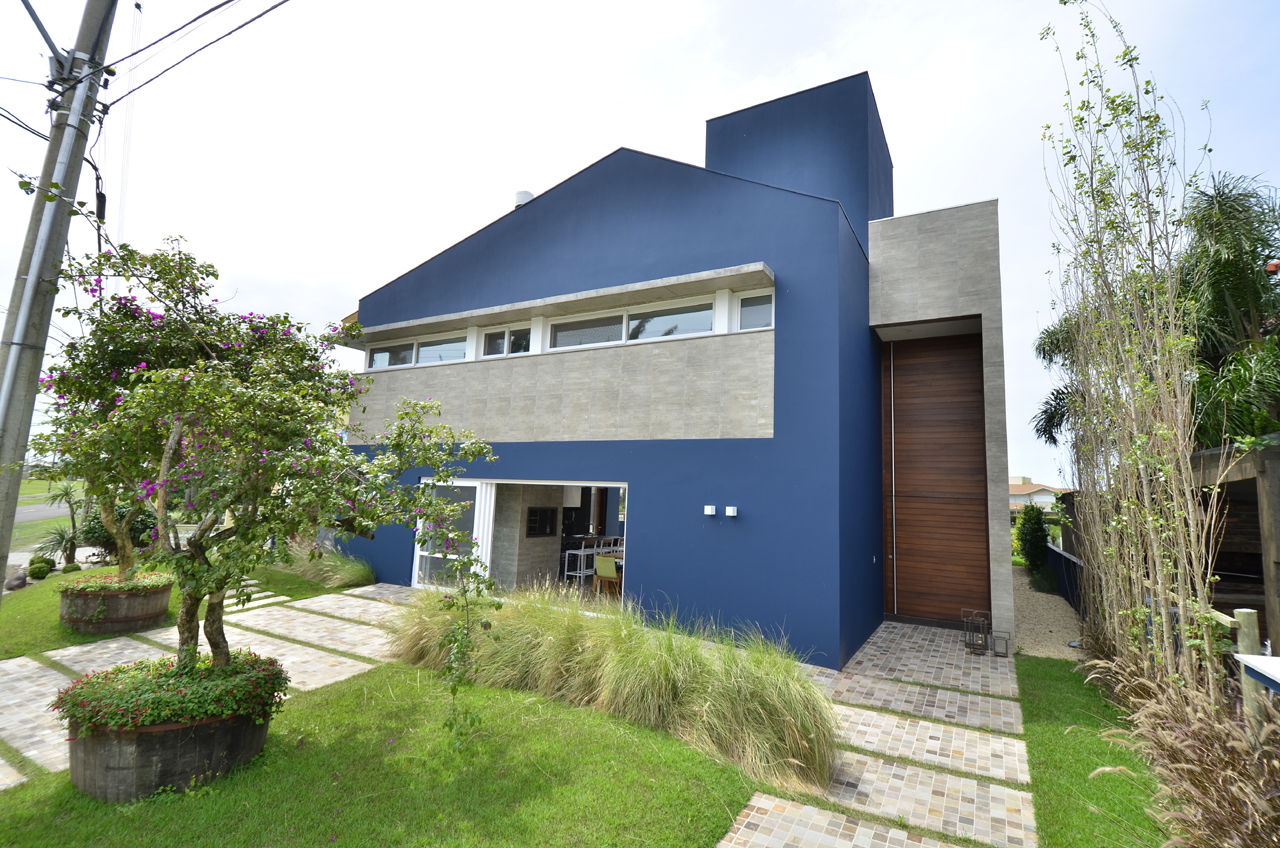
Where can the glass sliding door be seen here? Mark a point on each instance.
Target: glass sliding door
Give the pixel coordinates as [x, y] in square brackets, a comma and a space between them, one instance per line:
[475, 521]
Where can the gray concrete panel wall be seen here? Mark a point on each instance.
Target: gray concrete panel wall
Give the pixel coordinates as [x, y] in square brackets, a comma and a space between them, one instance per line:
[516, 559]
[711, 387]
[934, 274]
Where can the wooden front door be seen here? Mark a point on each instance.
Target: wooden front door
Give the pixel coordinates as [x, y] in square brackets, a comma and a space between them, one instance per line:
[935, 478]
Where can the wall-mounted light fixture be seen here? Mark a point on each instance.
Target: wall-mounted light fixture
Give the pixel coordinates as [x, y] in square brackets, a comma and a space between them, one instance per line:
[709, 509]
[731, 511]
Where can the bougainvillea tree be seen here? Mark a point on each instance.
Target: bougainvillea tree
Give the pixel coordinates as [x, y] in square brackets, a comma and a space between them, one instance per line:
[229, 424]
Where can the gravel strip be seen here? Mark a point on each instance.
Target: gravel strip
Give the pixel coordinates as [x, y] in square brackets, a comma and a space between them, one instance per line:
[1046, 623]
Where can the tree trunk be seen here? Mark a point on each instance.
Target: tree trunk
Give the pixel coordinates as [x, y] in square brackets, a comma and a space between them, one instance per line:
[188, 630]
[213, 629]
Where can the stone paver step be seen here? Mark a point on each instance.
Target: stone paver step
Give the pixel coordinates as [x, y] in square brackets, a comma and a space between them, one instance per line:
[769, 822]
[973, 751]
[26, 688]
[258, 601]
[924, 701]
[389, 592]
[308, 667]
[933, 656]
[9, 776]
[345, 606]
[319, 630]
[923, 798]
[98, 656]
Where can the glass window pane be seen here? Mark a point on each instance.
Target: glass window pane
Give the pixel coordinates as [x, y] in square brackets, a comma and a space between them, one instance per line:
[465, 522]
[520, 341]
[495, 344]
[442, 350]
[591, 331]
[756, 312]
[385, 357]
[670, 322]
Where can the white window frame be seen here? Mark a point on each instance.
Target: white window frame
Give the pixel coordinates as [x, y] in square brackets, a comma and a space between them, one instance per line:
[735, 310]
[481, 526]
[413, 356]
[506, 340]
[625, 314]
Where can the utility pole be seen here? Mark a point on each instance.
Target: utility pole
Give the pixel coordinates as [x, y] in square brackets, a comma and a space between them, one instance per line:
[26, 326]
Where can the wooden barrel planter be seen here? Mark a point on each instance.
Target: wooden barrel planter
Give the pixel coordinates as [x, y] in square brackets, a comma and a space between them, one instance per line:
[114, 612]
[123, 765]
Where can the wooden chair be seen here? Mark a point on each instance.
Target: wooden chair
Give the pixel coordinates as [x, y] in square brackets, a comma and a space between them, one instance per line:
[607, 575]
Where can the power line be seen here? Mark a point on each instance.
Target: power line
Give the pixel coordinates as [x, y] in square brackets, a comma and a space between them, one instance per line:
[205, 13]
[261, 14]
[27, 82]
[18, 122]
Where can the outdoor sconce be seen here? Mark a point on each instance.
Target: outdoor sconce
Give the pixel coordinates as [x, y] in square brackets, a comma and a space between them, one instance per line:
[709, 509]
[731, 511]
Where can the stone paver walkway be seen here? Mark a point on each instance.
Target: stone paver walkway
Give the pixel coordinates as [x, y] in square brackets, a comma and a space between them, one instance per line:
[930, 799]
[345, 606]
[308, 668]
[26, 688]
[933, 656]
[912, 670]
[923, 701]
[954, 748]
[319, 630]
[388, 592]
[97, 656]
[769, 822]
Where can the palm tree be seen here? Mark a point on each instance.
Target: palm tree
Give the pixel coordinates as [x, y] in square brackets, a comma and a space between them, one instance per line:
[1233, 295]
[66, 492]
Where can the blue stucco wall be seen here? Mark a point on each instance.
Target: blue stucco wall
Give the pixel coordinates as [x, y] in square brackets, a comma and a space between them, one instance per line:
[800, 560]
[826, 141]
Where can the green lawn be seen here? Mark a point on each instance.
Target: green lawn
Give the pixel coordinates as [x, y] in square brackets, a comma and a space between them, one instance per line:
[1063, 717]
[365, 762]
[29, 618]
[29, 533]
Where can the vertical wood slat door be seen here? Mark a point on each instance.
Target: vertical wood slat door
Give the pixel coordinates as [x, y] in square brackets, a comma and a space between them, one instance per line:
[935, 478]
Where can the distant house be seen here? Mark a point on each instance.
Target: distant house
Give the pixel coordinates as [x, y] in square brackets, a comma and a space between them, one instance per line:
[788, 388]
[1023, 491]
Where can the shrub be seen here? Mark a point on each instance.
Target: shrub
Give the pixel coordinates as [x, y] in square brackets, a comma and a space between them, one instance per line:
[41, 559]
[739, 697]
[39, 570]
[1033, 538]
[1218, 785]
[70, 567]
[330, 568]
[154, 692]
[95, 534]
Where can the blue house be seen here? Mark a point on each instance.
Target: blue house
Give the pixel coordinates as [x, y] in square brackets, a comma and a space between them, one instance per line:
[783, 406]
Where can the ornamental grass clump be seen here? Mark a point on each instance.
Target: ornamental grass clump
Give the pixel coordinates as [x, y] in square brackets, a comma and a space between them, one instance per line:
[740, 697]
[151, 692]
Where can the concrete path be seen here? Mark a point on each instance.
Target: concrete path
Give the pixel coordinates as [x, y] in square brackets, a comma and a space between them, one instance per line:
[918, 757]
[311, 638]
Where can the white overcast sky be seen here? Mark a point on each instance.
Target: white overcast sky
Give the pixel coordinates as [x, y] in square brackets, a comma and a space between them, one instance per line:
[331, 146]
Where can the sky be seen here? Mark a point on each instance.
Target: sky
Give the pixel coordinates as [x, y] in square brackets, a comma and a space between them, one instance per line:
[329, 147]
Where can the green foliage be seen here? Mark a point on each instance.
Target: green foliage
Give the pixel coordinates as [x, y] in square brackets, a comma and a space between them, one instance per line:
[94, 534]
[61, 541]
[107, 581]
[1032, 538]
[1066, 723]
[71, 567]
[40, 559]
[365, 762]
[738, 697]
[39, 570]
[155, 691]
